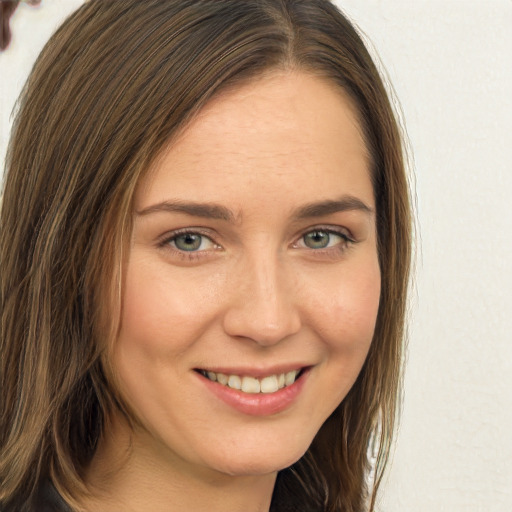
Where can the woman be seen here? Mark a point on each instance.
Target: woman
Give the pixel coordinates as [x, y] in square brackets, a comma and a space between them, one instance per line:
[204, 257]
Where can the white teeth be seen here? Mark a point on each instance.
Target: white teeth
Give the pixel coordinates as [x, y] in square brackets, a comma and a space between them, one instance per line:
[250, 385]
[247, 384]
[221, 378]
[289, 378]
[269, 384]
[234, 382]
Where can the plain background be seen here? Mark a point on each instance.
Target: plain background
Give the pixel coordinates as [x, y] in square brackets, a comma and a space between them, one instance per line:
[450, 62]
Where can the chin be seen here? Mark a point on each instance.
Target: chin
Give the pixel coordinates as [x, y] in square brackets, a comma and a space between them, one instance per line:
[261, 460]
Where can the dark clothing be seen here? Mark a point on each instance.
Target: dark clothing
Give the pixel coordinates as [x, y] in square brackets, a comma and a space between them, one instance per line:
[49, 500]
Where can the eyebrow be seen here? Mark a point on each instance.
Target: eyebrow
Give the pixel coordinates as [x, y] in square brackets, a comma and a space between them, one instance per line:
[319, 209]
[206, 210]
[219, 212]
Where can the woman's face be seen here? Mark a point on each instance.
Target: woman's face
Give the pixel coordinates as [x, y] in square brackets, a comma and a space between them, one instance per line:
[253, 265]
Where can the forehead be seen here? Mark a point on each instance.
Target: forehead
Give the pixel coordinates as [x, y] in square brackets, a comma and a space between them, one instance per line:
[284, 135]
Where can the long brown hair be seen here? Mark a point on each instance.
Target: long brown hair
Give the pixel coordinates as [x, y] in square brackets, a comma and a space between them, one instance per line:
[108, 92]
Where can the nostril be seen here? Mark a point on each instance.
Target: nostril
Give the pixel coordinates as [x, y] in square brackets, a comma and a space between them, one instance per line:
[263, 323]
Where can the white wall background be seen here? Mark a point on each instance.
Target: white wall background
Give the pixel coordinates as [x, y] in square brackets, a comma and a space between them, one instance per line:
[450, 62]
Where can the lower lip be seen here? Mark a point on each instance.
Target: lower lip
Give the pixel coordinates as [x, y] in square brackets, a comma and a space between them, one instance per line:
[257, 404]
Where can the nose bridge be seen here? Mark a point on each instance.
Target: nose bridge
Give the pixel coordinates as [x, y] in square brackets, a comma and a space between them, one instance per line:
[263, 308]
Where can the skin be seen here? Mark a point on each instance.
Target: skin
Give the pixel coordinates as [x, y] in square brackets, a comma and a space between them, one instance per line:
[254, 295]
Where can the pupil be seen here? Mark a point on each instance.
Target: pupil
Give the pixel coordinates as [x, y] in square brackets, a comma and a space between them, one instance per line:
[188, 242]
[317, 239]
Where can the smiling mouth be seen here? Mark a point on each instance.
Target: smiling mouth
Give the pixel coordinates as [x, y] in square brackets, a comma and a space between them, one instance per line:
[247, 384]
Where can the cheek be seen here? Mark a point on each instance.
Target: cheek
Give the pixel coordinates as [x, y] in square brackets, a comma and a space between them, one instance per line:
[343, 310]
[160, 306]
[345, 307]
[164, 315]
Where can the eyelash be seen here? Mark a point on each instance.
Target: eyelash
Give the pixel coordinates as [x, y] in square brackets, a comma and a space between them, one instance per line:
[186, 255]
[345, 243]
[337, 249]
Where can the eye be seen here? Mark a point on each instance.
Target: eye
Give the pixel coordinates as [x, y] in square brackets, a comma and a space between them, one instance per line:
[324, 239]
[191, 242]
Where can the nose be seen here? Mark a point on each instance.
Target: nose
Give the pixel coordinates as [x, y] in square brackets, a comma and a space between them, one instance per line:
[263, 304]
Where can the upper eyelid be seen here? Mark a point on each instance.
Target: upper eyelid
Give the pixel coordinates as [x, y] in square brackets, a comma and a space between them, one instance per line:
[346, 239]
[169, 235]
[336, 230]
[164, 243]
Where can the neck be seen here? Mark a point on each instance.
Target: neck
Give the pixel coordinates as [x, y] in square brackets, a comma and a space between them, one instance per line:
[133, 472]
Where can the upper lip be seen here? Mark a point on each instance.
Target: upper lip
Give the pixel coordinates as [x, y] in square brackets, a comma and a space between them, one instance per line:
[256, 372]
